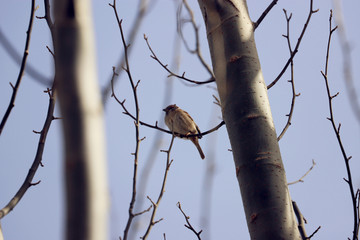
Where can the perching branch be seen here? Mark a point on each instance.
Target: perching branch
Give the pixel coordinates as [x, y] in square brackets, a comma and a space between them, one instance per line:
[172, 74]
[296, 49]
[294, 95]
[22, 69]
[151, 156]
[155, 126]
[152, 221]
[338, 137]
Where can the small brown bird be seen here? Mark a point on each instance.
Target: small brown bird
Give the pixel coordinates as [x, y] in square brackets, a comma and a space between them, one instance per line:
[179, 121]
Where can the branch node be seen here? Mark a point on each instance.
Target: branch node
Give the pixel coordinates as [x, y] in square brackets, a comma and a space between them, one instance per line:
[142, 212]
[338, 129]
[35, 183]
[157, 221]
[152, 202]
[334, 96]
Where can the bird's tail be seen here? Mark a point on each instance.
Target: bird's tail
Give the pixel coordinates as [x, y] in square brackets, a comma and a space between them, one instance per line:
[196, 142]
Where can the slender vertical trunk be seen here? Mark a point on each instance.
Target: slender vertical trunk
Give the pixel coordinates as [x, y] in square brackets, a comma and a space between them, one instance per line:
[82, 114]
[246, 112]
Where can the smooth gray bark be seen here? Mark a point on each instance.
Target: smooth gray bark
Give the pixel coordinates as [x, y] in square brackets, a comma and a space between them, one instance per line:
[246, 112]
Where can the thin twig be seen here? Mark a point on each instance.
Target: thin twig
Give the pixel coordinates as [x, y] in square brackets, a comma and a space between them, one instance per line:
[307, 172]
[294, 95]
[144, 211]
[296, 49]
[197, 49]
[151, 156]
[10, 49]
[263, 15]
[309, 237]
[137, 137]
[172, 74]
[47, 16]
[189, 226]
[40, 149]
[22, 69]
[142, 10]
[38, 157]
[152, 222]
[337, 133]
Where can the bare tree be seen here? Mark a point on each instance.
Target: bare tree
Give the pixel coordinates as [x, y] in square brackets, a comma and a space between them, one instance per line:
[247, 115]
[269, 210]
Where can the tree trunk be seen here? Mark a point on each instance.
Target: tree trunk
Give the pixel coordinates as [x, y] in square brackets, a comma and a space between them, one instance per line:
[246, 112]
[82, 117]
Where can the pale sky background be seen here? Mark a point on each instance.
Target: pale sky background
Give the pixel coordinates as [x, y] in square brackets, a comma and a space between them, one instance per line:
[323, 198]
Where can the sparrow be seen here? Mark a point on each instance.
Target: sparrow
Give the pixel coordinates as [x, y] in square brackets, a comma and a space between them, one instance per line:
[180, 122]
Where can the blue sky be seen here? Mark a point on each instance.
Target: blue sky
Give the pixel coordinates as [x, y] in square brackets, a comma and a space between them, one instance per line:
[324, 196]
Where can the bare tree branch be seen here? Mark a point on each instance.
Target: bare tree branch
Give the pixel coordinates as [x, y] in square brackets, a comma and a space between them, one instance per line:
[294, 95]
[152, 222]
[151, 157]
[38, 157]
[263, 15]
[47, 15]
[41, 145]
[296, 49]
[16, 57]
[197, 49]
[307, 172]
[314, 233]
[140, 15]
[188, 225]
[126, 112]
[138, 140]
[337, 133]
[165, 66]
[22, 69]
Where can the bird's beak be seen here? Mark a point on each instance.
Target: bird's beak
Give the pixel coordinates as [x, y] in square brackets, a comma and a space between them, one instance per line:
[164, 110]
